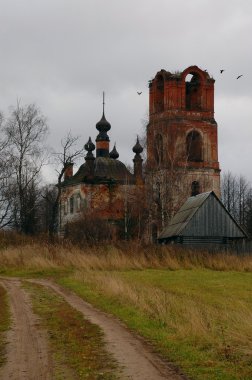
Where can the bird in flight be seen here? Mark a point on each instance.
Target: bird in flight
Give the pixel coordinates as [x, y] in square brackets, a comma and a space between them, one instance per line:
[239, 76]
[139, 93]
[221, 71]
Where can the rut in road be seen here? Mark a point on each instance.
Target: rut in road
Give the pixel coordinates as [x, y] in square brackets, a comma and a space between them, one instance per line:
[136, 357]
[28, 357]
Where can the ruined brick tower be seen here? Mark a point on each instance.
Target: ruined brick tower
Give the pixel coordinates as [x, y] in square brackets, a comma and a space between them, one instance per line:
[182, 147]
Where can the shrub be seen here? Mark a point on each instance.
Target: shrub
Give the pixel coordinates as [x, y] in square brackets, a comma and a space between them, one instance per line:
[89, 229]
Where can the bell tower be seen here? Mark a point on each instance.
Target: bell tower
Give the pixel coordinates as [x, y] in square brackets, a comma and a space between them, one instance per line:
[182, 146]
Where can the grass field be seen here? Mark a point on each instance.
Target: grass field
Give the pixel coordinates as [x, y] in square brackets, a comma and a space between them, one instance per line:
[199, 319]
[195, 308]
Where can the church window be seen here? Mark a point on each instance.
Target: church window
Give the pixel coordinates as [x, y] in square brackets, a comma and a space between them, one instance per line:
[158, 149]
[65, 207]
[194, 146]
[78, 203]
[71, 205]
[195, 188]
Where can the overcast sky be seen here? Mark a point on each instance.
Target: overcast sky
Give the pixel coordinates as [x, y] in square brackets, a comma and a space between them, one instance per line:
[61, 54]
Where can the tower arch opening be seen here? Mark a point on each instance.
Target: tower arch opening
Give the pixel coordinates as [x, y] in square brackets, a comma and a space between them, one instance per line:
[194, 145]
[193, 91]
[160, 94]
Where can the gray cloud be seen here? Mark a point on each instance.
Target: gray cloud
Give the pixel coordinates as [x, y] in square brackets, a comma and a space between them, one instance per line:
[62, 54]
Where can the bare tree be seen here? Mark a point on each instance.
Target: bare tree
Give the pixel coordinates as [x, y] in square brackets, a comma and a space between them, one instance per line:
[46, 200]
[6, 216]
[70, 154]
[236, 193]
[25, 131]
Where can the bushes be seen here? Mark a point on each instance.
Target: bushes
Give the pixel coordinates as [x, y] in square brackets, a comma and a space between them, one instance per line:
[89, 229]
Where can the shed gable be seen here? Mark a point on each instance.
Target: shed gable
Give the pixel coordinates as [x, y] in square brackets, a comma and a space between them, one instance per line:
[212, 220]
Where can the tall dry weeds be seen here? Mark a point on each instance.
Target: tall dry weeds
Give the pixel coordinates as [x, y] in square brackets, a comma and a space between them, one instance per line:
[42, 255]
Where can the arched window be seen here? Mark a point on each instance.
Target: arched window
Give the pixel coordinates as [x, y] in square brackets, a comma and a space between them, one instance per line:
[158, 149]
[78, 202]
[160, 94]
[195, 188]
[71, 201]
[194, 146]
[193, 92]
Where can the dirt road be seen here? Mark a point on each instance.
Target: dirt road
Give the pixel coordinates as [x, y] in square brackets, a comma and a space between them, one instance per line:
[28, 353]
[28, 357]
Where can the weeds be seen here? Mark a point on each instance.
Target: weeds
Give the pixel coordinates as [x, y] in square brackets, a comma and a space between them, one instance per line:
[45, 256]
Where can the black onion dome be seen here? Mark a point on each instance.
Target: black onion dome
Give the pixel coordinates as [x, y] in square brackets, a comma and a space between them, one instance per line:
[89, 146]
[137, 148]
[103, 125]
[114, 154]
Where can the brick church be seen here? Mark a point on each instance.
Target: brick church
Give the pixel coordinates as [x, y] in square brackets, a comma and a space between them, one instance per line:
[182, 158]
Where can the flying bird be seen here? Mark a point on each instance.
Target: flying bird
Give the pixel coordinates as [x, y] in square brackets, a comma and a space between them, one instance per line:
[239, 76]
[221, 71]
[139, 93]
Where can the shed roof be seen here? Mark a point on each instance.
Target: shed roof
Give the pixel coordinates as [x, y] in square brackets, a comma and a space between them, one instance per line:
[192, 214]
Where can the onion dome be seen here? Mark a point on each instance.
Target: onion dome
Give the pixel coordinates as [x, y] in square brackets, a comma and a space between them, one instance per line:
[103, 125]
[89, 146]
[102, 139]
[114, 154]
[137, 148]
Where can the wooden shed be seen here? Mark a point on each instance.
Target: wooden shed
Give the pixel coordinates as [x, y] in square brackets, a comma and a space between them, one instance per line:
[202, 220]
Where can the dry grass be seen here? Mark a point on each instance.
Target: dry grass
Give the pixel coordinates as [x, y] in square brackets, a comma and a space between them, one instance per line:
[41, 256]
[184, 313]
[195, 299]
[198, 320]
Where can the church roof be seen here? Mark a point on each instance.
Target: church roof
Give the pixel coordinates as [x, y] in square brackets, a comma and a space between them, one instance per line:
[106, 170]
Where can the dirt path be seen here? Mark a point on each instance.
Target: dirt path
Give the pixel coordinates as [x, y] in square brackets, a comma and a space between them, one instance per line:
[27, 351]
[136, 357]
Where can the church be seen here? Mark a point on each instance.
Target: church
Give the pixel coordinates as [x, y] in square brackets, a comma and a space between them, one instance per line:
[182, 159]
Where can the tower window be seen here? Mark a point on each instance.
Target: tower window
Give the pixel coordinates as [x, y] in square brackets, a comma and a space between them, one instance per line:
[195, 188]
[160, 94]
[193, 92]
[158, 149]
[194, 146]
